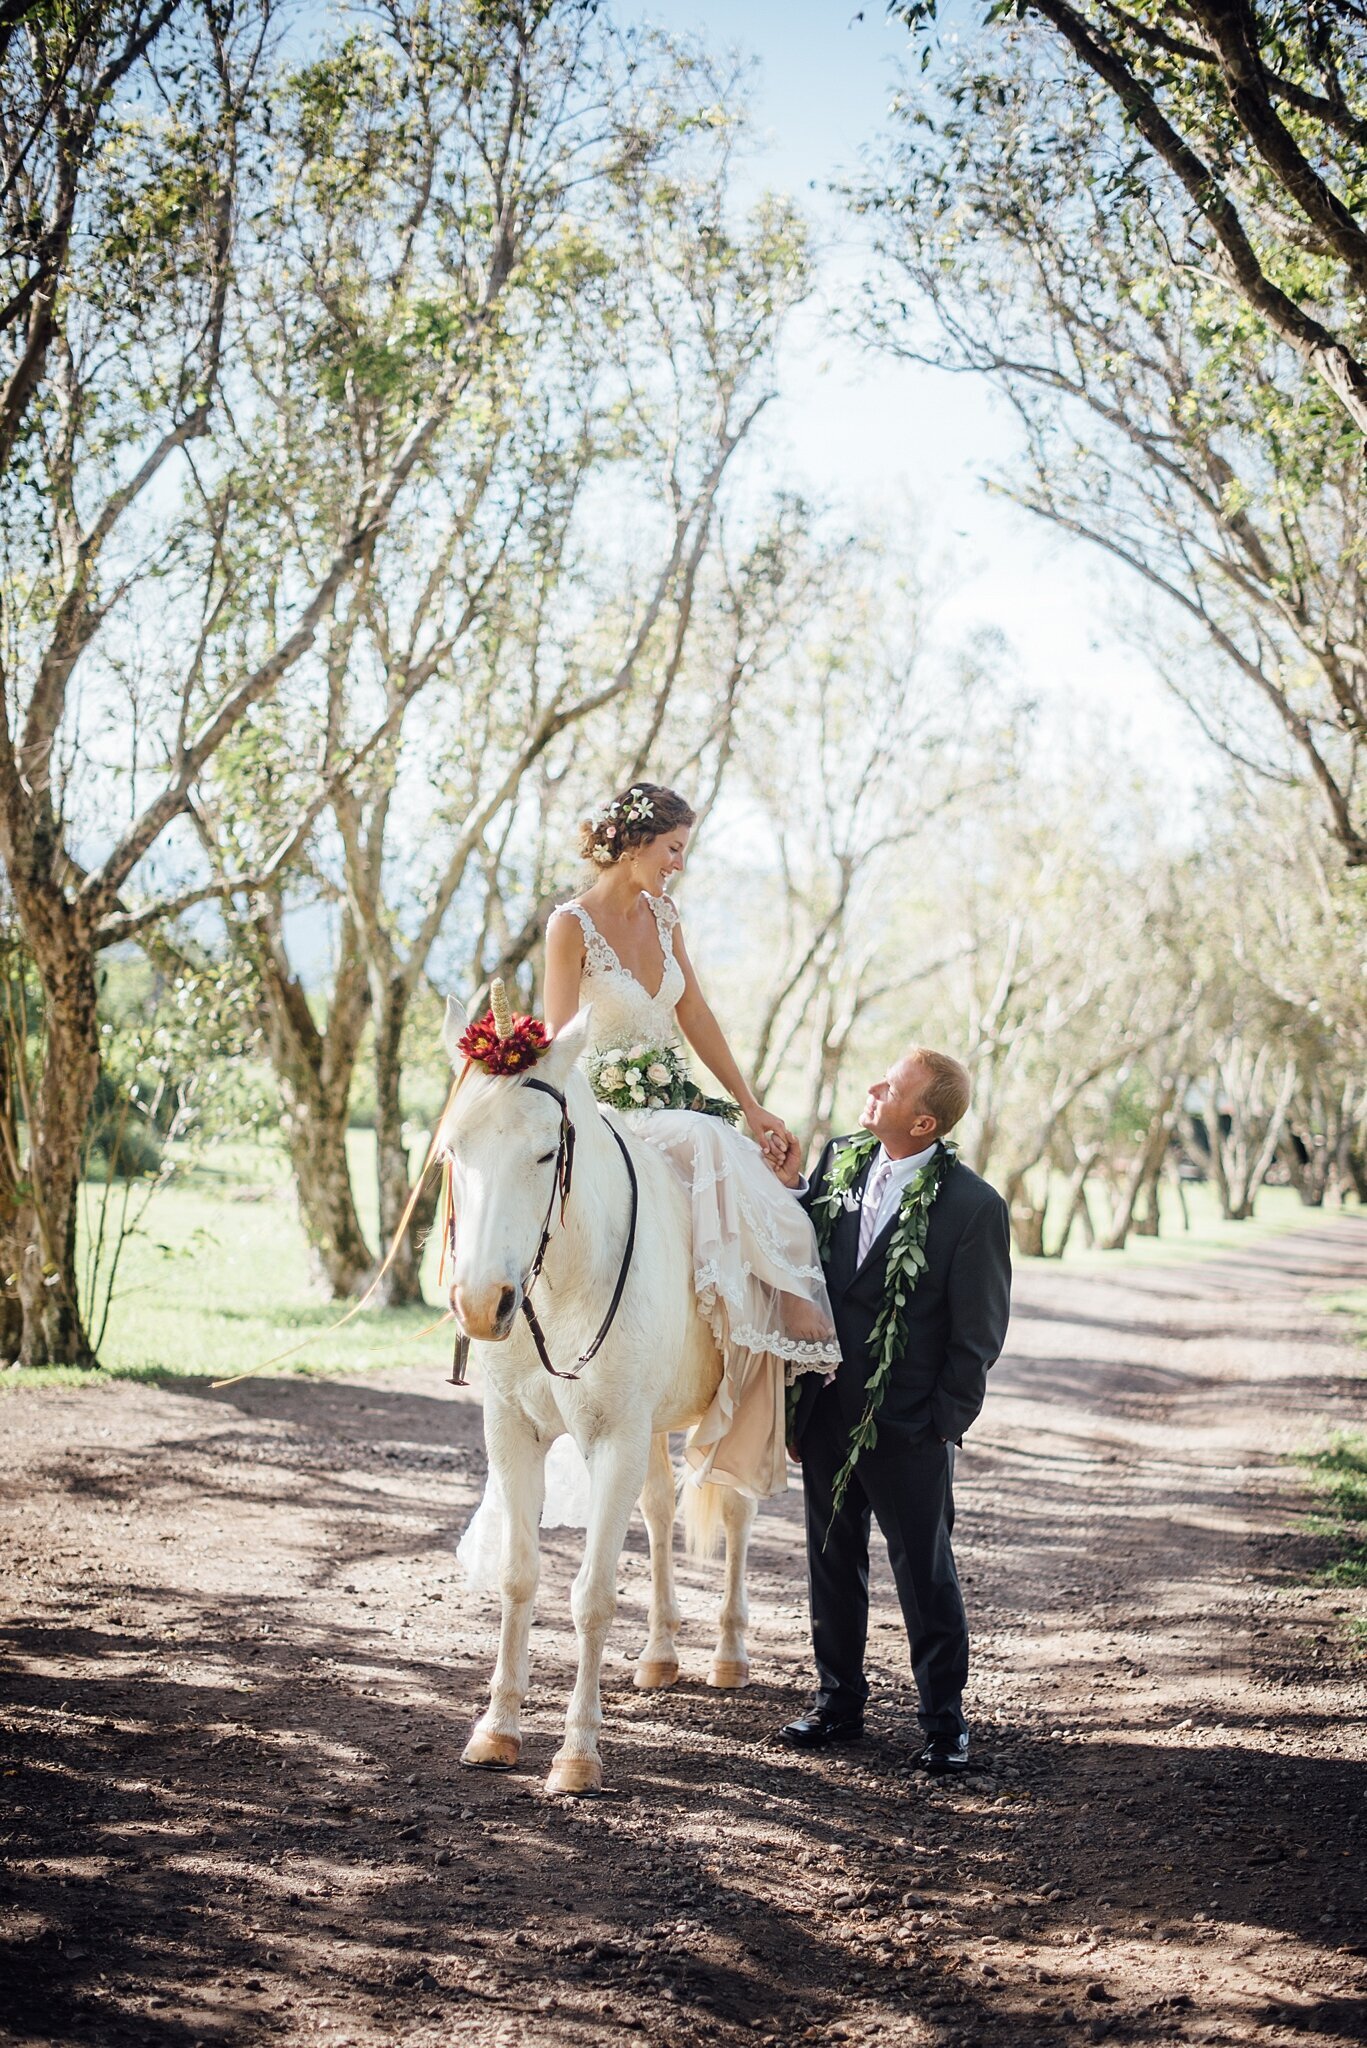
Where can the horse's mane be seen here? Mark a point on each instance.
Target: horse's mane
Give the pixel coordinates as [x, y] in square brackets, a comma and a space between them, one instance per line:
[481, 1093]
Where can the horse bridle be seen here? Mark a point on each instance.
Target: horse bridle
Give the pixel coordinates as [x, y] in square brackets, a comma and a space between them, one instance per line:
[561, 1179]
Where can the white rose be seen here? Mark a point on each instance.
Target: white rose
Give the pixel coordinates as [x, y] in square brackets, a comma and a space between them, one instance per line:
[638, 1095]
[615, 1056]
[658, 1074]
[659, 1102]
[632, 1076]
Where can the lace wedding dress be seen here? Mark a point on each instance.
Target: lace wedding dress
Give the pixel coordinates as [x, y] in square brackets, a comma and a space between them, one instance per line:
[755, 1262]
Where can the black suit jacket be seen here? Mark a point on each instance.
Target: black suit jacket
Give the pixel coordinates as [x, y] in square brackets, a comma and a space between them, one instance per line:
[956, 1316]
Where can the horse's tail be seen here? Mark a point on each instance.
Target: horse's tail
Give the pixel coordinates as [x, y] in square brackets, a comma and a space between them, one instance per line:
[481, 1546]
[702, 1518]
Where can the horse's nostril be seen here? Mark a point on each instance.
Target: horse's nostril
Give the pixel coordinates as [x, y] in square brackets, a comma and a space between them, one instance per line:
[505, 1304]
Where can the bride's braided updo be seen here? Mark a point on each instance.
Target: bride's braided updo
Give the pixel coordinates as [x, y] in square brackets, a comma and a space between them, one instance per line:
[632, 819]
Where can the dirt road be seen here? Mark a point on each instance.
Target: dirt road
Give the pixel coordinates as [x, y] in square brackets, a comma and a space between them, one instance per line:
[240, 1666]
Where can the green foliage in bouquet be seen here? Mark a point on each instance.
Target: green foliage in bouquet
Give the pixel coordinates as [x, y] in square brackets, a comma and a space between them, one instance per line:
[652, 1077]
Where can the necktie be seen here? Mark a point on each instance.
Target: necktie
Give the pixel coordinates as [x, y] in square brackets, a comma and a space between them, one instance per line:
[872, 1203]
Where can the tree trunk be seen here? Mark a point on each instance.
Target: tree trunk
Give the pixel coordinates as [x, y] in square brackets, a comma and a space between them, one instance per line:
[1148, 1219]
[1027, 1228]
[1215, 1138]
[316, 1141]
[1350, 1118]
[53, 1332]
[1318, 1133]
[11, 1308]
[1027, 1216]
[313, 1070]
[1309, 1163]
[1145, 1170]
[825, 1059]
[402, 1284]
[11, 1314]
[1245, 1154]
[1075, 1197]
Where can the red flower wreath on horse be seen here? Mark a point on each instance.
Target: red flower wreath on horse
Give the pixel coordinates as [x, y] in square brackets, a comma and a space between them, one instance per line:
[501, 1042]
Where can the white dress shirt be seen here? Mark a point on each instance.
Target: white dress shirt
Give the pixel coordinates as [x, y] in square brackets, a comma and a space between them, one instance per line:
[878, 1208]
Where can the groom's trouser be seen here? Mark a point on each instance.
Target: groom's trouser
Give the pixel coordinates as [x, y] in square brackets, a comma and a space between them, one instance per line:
[911, 1491]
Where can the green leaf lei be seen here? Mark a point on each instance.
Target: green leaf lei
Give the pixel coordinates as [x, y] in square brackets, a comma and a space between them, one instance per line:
[906, 1264]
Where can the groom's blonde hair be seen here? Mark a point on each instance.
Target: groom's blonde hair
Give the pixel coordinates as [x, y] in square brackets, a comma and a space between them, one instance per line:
[947, 1090]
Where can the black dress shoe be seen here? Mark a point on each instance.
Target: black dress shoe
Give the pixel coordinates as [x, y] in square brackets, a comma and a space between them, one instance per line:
[818, 1729]
[945, 1753]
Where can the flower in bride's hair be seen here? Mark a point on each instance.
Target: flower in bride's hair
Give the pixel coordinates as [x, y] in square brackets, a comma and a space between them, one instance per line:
[658, 1074]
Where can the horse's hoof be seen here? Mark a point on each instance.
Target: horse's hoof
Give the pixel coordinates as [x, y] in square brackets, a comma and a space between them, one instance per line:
[728, 1674]
[486, 1752]
[653, 1674]
[580, 1776]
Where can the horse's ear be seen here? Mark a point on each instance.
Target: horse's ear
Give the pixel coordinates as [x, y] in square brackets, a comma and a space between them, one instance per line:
[558, 1061]
[453, 1030]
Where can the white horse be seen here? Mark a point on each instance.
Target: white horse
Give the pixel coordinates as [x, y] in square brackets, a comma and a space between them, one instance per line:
[657, 1369]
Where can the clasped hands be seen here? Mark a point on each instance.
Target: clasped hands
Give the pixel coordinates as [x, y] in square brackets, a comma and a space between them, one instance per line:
[782, 1153]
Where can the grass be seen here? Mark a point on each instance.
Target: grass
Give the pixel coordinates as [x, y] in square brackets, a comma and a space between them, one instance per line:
[1354, 1304]
[1339, 1476]
[219, 1279]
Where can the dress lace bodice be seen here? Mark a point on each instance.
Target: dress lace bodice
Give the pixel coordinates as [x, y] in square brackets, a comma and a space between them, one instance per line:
[624, 1013]
[756, 1269]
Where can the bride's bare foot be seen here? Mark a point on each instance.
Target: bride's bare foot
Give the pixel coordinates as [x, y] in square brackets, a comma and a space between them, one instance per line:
[805, 1321]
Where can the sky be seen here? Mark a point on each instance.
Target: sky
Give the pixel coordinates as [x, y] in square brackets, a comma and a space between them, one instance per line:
[865, 431]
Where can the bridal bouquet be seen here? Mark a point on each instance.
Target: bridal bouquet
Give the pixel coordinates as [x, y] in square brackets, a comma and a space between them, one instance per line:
[651, 1077]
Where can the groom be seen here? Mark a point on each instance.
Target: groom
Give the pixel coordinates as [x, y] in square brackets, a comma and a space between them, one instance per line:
[953, 1327]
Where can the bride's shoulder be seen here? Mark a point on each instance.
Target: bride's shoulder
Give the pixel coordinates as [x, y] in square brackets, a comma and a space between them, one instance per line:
[569, 916]
[666, 912]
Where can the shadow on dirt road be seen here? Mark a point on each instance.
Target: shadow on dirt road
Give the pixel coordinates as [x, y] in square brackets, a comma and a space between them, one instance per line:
[239, 1668]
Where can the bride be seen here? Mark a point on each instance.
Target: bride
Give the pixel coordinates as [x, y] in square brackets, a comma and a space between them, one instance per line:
[617, 949]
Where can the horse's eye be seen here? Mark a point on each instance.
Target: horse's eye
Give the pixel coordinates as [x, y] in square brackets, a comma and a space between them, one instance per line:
[545, 1159]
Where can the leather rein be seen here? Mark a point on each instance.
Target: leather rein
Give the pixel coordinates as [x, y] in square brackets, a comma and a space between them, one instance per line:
[561, 1180]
